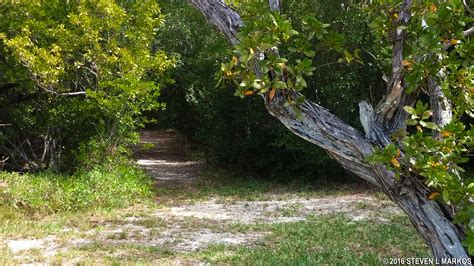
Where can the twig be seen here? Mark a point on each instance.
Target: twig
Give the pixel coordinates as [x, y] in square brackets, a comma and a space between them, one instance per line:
[465, 34]
[468, 9]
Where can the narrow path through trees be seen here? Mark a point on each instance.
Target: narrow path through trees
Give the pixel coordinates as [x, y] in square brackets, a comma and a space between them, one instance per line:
[192, 212]
[163, 154]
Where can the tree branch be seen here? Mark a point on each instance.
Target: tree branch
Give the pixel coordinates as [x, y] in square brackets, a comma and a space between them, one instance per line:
[440, 105]
[225, 18]
[468, 9]
[274, 5]
[465, 34]
[348, 146]
[387, 108]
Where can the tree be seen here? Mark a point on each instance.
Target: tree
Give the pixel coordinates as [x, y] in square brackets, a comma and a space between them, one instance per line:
[76, 77]
[428, 58]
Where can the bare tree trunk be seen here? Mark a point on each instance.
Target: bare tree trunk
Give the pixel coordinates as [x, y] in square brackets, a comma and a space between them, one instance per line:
[350, 147]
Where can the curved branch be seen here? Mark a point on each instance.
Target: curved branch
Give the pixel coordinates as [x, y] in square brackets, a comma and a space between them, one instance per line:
[468, 9]
[465, 34]
[225, 18]
[317, 125]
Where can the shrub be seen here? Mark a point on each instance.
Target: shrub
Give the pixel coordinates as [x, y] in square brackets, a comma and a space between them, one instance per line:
[74, 75]
[111, 186]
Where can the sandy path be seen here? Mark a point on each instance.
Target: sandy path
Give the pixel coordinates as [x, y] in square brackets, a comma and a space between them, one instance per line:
[171, 168]
[194, 226]
[167, 161]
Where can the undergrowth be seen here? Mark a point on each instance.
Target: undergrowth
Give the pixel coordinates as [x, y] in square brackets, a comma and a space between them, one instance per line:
[116, 185]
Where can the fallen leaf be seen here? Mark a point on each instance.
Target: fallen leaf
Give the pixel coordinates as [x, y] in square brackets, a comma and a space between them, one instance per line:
[433, 8]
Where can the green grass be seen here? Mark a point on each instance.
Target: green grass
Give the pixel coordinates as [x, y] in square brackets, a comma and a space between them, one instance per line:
[329, 239]
[102, 187]
[229, 186]
[30, 208]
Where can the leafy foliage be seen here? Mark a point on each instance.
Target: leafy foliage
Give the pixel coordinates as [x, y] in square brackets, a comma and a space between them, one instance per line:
[240, 134]
[435, 48]
[278, 69]
[76, 77]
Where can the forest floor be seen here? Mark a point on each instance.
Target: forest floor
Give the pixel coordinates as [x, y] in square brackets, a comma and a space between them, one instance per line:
[200, 216]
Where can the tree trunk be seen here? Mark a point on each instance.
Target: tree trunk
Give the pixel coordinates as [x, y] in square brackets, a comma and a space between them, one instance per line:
[346, 145]
[349, 146]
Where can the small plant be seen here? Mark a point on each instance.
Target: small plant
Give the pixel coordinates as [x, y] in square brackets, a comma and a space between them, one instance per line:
[101, 187]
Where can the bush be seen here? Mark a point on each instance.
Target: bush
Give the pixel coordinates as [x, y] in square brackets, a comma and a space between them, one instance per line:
[102, 187]
[74, 75]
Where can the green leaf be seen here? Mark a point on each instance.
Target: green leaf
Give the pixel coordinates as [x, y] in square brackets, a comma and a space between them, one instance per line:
[310, 53]
[445, 195]
[409, 110]
[426, 115]
[401, 27]
[430, 125]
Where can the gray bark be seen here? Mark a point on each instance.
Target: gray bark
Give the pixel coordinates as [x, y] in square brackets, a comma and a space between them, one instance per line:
[440, 105]
[350, 147]
[225, 18]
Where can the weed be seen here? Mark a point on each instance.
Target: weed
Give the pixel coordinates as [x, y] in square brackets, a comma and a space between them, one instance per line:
[46, 193]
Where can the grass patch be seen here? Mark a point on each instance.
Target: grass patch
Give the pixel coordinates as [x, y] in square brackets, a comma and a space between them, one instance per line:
[151, 222]
[329, 239]
[66, 225]
[229, 186]
[324, 240]
[46, 193]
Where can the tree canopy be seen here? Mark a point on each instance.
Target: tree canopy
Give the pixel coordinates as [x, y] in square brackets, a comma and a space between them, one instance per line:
[76, 77]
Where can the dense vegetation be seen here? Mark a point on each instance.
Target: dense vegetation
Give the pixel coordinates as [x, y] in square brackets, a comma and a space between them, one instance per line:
[76, 77]
[79, 79]
[238, 133]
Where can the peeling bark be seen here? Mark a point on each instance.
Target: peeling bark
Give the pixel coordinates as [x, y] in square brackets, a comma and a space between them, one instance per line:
[394, 100]
[350, 147]
[440, 105]
[225, 18]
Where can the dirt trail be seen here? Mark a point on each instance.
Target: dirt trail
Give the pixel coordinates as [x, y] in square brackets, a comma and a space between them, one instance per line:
[171, 168]
[187, 227]
[166, 159]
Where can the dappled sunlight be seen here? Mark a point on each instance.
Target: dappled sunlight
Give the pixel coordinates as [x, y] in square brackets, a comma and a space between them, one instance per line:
[144, 162]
